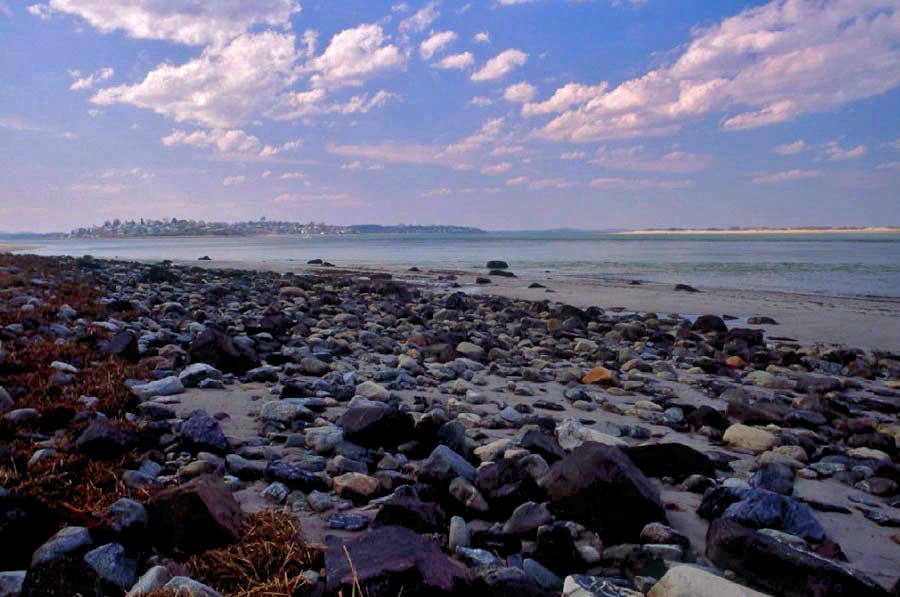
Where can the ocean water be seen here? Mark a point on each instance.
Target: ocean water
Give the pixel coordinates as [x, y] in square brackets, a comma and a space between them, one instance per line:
[834, 264]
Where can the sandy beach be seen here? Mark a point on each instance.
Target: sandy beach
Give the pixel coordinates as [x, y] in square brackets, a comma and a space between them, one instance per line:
[751, 231]
[865, 322]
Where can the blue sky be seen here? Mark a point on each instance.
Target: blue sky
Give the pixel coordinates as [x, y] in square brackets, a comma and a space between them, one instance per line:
[503, 114]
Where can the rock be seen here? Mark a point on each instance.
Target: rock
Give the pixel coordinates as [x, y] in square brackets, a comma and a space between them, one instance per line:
[526, 519]
[154, 578]
[63, 543]
[600, 376]
[202, 433]
[11, 583]
[126, 517]
[601, 488]
[22, 416]
[469, 350]
[243, 468]
[671, 460]
[458, 535]
[761, 509]
[263, 374]
[395, 560]
[355, 485]
[314, 367]
[706, 324]
[348, 522]
[285, 412]
[104, 439]
[405, 508]
[691, 581]
[468, 495]
[372, 391]
[542, 576]
[194, 374]
[112, 565]
[194, 517]
[376, 426]
[215, 347]
[443, 465]
[570, 434]
[661, 534]
[774, 477]
[496, 264]
[182, 586]
[579, 585]
[749, 438]
[168, 386]
[124, 345]
[764, 379]
[6, 401]
[276, 492]
[771, 565]
[294, 476]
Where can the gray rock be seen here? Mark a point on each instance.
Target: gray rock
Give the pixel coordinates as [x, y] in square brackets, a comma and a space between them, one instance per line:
[152, 579]
[527, 518]
[168, 386]
[6, 401]
[579, 585]
[66, 541]
[22, 416]
[182, 585]
[245, 469]
[126, 515]
[444, 464]
[459, 533]
[195, 374]
[11, 583]
[276, 492]
[285, 412]
[543, 577]
[112, 565]
[201, 432]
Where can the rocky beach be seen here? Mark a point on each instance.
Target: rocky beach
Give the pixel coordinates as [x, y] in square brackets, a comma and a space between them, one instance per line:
[171, 429]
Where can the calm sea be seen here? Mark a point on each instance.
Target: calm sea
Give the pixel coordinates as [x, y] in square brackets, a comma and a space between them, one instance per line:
[841, 264]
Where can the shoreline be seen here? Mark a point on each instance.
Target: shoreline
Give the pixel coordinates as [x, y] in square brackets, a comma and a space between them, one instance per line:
[752, 231]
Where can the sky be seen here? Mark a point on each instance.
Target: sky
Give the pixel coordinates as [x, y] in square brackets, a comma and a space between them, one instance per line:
[501, 114]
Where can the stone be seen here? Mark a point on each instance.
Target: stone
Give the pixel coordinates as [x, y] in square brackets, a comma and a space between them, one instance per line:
[395, 560]
[579, 585]
[662, 534]
[601, 488]
[405, 508]
[112, 565]
[774, 477]
[182, 586]
[154, 578]
[285, 412]
[764, 379]
[570, 434]
[314, 367]
[497, 264]
[770, 565]
[470, 350]
[761, 509]
[671, 460]
[202, 433]
[6, 401]
[104, 440]
[355, 486]
[214, 347]
[372, 391]
[458, 535]
[443, 465]
[526, 519]
[468, 495]
[194, 517]
[600, 376]
[11, 583]
[749, 438]
[376, 426]
[63, 543]
[706, 324]
[126, 517]
[545, 578]
[167, 386]
[194, 374]
[692, 581]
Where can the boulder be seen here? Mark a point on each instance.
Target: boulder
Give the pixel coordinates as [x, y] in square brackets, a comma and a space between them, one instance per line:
[761, 509]
[600, 487]
[571, 433]
[750, 438]
[376, 426]
[104, 439]
[197, 372]
[443, 465]
[167, 386]
[194, 517]
[405, 508]
[389, 561]
[202, 433]
[600, 376]
[372, 391]
[213, 346]
[671, 460]
[692, 581]
[114, 568]
[706, 324]
[775, 566]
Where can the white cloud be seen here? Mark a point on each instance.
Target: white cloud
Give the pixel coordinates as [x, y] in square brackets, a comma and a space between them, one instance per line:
[636, 160]
[640, 184]
[270, 150]
[514, 2]
[482, 38]
[192, 22]
[456, 61]
[571, 94]
[834, 152]
[419, 21]
[495, 169]
[97, 188]
[889, 166]
[311, 197]
[436, 44]
[794, 148]
[573, 155]
[539, 183]
[83, 82]
[353, 56]
[480, 100]
[501, 65]
[226, 141]
[231, 181]
[787, 176]
[488, 132]
[292, 176]
[222, 88]
[439, 192]
[520, 93]
[766, 65]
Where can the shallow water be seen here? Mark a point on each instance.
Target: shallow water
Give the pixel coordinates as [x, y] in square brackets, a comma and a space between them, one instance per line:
[839, 264]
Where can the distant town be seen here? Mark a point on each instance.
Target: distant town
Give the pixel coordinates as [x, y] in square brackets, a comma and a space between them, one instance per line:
[262, 227]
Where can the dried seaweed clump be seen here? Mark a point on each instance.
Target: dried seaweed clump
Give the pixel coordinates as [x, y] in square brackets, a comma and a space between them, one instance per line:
[268, 561]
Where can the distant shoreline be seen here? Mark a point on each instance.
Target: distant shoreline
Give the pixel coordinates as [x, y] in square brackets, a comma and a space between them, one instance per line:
[868, 230]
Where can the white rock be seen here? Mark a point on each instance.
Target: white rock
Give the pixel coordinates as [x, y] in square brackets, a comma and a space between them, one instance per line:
[691, 581]
[570, 434]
